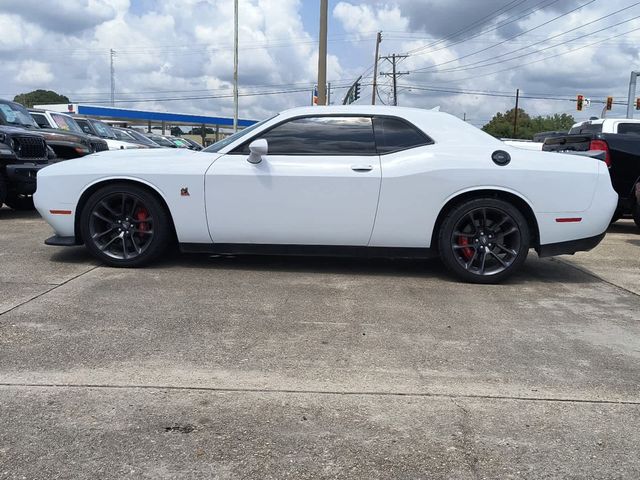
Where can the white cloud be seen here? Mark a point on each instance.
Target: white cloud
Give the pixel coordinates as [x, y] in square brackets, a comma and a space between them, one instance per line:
[366, 18]
[34, 74]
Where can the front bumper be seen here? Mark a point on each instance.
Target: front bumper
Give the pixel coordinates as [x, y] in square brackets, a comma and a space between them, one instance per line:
[22, 177]
[570, 247]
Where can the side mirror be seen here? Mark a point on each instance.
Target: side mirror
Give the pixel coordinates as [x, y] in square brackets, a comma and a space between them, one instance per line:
[258, 149]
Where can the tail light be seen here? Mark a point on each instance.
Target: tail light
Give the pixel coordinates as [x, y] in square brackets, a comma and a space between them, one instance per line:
[601, 146]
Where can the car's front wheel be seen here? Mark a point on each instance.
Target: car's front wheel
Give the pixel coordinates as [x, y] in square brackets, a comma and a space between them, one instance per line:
[124, 225]
[484, 240]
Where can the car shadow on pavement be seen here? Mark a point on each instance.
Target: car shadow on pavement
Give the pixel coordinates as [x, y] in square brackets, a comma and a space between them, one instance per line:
[74, 255]
[9, 214]
[624, 226]
[535, 269]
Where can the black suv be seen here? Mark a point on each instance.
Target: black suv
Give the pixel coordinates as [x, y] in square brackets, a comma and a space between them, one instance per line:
[64, 143]
[22, 154]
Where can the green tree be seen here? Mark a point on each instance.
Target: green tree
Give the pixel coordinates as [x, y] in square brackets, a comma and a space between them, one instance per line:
[501, 125]
[40, 97]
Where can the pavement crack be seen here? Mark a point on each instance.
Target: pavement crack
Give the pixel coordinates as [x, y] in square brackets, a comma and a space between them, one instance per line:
[371, 393]
[49, 290]
[586, 271]
[466, 441]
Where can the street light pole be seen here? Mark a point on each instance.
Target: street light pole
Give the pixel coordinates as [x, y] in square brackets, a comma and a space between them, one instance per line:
[322, 54]
[235, 65]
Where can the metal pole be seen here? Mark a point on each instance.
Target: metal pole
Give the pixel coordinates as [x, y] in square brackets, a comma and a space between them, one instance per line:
[322, 54]
[375, 68]
[395, 85]
[235, 65]
[632, 93]
[113, 79]
[328, 93]
[515, 117]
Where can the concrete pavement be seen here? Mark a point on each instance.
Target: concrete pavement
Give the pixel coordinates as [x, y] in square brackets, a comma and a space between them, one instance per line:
[278, 367]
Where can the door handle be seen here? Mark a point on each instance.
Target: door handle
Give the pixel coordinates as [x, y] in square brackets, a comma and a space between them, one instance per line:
[361, 168]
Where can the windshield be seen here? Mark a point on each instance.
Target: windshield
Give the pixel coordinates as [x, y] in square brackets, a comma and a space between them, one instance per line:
[216, 147]
[140, 138]
[120, 135]
[103, 129]
[162, 141]
[15, 114]
[66, 123]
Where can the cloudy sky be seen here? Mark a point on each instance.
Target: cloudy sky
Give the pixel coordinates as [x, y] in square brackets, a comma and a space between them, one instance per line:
[467, 56]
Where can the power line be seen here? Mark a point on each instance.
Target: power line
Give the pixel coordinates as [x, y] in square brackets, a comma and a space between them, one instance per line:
[513, 37]
[513, 67]
[529, 11]
[477, 64]
[469, 27]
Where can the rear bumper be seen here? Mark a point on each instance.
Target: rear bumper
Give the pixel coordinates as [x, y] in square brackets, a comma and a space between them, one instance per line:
[570, 247]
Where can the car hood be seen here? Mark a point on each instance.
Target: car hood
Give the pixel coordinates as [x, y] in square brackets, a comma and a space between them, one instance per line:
[18, 130]
[54, 134]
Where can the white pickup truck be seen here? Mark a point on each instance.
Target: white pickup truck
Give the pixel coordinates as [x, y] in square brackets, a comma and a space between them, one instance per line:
[607, 125]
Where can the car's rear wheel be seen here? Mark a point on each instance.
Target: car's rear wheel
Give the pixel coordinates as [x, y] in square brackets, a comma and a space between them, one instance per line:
[19, 202]
[484, 240]
[125, 226]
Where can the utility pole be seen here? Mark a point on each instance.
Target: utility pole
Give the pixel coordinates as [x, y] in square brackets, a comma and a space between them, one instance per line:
[375, 68]
[393, 59]
[515, 117]
[112, 54]
[235, 65]
[322, 54]
[328, 93]
[632, 93]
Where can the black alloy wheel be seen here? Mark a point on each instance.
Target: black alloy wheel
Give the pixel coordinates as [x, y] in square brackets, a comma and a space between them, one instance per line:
[125, 225]
[484, 240]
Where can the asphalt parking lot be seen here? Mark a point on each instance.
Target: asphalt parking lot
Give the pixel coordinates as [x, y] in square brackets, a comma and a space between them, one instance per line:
[261, 367]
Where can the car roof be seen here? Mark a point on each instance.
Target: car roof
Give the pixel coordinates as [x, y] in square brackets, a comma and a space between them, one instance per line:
[359, 110]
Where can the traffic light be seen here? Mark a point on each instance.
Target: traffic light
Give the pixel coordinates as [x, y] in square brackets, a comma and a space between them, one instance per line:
[579, 102]
[356, 92]
[609, 103]
[638, 103]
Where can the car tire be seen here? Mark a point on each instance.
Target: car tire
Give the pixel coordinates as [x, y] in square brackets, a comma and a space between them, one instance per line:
[484, 240]
[124, 225]
[19, 202]
[636, 214]
[3, 190]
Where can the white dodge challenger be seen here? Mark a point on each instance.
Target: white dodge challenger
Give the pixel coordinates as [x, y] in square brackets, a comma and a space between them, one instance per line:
[356, 180]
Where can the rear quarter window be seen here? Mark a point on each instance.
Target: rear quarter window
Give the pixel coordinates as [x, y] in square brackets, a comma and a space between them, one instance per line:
[395, 134]
[633, 128]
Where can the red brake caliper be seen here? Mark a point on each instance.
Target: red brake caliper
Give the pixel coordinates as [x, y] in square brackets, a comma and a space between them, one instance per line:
[142, 214]
[467, 253]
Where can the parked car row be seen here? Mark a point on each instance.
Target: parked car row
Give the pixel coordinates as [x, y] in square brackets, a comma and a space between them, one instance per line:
[31, 139]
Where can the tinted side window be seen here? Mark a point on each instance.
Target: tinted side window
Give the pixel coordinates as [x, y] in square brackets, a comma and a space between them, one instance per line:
[393, 134]
[41, 120]
[320, 136]
[85, 126]
[629, 128]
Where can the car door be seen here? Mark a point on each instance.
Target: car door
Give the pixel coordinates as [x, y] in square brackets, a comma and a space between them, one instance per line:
[318, 185]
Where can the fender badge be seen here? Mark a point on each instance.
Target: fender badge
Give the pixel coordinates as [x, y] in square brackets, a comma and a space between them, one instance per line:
[184, 192]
